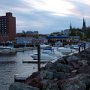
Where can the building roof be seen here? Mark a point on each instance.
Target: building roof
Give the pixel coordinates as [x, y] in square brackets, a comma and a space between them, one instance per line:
[57, 37]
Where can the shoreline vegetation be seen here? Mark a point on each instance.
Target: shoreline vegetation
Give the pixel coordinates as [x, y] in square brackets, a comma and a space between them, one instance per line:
[67, 73]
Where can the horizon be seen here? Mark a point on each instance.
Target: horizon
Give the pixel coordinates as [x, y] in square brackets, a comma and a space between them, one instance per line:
[47, 16]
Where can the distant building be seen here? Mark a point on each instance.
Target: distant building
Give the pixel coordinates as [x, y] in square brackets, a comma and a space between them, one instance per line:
[32, 32]
[54, 39]
[7, 27]
[75, 38]
[84, 25]
[65, 32]
[30, 38]
[24, 40]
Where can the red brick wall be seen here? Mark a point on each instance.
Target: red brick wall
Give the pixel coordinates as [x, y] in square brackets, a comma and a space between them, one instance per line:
[10, 29]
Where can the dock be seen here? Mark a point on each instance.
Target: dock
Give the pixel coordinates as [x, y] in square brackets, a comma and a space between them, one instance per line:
[34, 61]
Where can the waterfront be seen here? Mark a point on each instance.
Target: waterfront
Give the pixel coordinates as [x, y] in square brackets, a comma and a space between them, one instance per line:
[11, 65]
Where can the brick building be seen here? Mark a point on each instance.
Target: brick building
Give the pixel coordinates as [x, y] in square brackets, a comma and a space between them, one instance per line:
[7, 28]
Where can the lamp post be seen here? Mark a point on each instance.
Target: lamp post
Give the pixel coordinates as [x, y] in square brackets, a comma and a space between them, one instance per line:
[38, 51]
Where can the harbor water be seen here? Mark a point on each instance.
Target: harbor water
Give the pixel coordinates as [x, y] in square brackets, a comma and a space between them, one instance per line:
[11, 65]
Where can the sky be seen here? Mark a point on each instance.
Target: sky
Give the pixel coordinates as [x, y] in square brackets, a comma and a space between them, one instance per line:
[47, 16]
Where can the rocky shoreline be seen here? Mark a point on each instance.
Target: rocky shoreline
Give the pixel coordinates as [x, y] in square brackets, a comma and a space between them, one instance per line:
[67, 73]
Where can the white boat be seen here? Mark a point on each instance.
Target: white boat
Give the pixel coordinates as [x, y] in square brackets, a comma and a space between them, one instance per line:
[7, 50]
[54, 52]
[44, 56]
[76, 47]
[44, 46]
[66, 51]
[51, 54]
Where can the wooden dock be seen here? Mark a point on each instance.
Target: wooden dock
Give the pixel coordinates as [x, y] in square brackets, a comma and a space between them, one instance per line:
[35, 61]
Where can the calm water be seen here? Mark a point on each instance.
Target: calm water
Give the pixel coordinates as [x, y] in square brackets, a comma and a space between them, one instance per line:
[11, 65]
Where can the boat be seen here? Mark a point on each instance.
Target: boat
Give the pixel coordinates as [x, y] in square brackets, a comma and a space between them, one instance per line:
[44, 56]
[52, 54]
[22, 49]
[76, 47]
[5, 50]
[35, 61]
[66, 51]
[46, 53]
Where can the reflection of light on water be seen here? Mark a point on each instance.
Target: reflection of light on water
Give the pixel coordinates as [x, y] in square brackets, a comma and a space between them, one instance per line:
[13, 65]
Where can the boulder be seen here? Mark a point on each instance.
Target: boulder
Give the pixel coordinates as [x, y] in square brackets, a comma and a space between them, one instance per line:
[84, 69]
[73, 58]
[48, 65]
[52, 85]
[35, 82]
[74, 64]
[80, 82]
[60, 75]
[46, 74]
[83, 62]
[62, 67]
[61, 60]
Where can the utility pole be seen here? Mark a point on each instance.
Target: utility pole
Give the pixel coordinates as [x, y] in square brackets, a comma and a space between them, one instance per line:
[38, 51]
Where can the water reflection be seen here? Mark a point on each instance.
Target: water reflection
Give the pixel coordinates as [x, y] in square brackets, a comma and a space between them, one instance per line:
[11, 65]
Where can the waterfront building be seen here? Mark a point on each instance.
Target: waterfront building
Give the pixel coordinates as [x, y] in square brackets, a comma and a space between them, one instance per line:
[24, 40]
[54, 39]
[7, 28]
[30, 39]
[40, 40]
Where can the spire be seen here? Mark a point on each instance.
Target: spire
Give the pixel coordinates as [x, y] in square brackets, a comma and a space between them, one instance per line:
[70, 26]
[84, 25]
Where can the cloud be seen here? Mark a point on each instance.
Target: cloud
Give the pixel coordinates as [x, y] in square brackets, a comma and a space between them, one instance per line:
[87, 2]
[57, 7]
[47, 15]
[82, 8]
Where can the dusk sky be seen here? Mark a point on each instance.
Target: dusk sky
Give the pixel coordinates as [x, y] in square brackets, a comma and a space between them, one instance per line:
[47, 16]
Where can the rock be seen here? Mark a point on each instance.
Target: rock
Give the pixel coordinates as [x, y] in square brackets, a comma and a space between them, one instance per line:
[34, 75]
[80, 82]
[50, 85]
[45, 83]
[46, 74]
[75, 64]
[35, 82]
[85, 54]
[67, 73]
[48, 65]
[83, 62]
[21, 86]
[61, 60]
[74, 71]
[60, 75]
[88, 63]
[62, 67]
[84, 69]
[73, 58]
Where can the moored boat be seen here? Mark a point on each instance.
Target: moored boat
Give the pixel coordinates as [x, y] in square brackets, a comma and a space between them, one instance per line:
[5, 50]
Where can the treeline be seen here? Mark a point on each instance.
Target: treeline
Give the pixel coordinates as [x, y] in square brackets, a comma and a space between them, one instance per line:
[84, 34]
